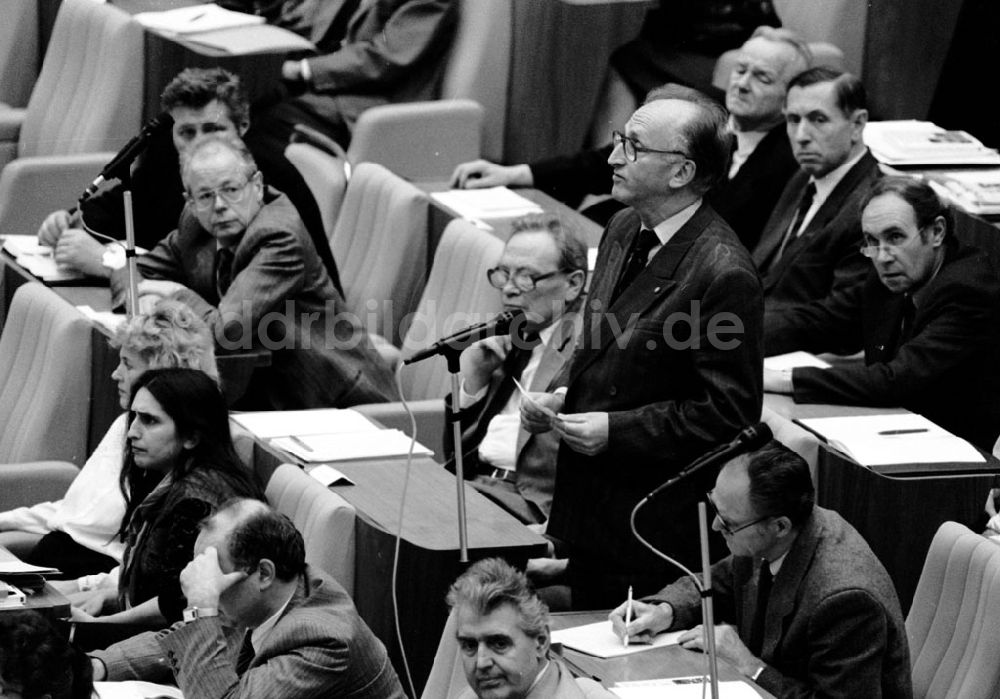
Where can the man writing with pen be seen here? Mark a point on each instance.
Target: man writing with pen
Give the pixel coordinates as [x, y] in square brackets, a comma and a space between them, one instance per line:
[806, 607]
[927, 318]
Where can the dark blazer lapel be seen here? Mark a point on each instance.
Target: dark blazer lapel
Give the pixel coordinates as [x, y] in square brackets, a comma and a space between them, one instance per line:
[652, 284]
[882, 326]
[787, 584]
[784, 210]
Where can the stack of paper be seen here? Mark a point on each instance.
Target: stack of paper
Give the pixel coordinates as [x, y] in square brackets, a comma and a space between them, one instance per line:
[327, 435]
[37, 258]
[976, 191]
[911, 142]
[781, 362]
[493, 202]
[195, 18]
[598, 639]
[242, 41]
[347, 446]
[682, 688]
[897, 438]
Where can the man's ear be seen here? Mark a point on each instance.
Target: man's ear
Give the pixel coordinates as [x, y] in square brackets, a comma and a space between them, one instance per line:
[267, 573]
[243, 127]
[938, 228]
[575, 281]
[684, 175]
[858, 120]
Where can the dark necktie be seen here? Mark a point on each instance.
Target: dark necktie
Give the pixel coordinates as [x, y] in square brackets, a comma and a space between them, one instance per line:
[223, 270]
[246, 654]
[644, 242]
[906, 321]
[800, 213]
[764, 581]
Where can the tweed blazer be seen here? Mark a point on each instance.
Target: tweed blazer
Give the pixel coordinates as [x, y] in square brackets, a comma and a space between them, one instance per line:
[948, 369]
[281, 298]
[319, 647]
[834, 627]
[536, 453]
[672, 392]
[825, 258]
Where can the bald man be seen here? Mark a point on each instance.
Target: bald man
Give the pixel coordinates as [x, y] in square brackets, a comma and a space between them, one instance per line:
[669, 362]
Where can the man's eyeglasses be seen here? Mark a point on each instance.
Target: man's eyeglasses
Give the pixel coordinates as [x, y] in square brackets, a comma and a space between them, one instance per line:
[726, 527]
[230, 193]
[896, 242]
[631, 149]
[523, 279]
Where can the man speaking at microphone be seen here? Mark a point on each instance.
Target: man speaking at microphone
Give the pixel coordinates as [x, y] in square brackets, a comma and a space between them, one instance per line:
[669, 361]
[807, 608]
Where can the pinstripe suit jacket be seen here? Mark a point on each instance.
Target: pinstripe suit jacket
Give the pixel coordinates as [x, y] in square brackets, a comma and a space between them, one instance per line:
[319, 647]
[280, 291]
[670, 392]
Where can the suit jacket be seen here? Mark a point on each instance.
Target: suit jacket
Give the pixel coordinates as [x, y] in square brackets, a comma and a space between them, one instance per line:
[947, 369]
[536, 453]
[745, 201]
[281, 298]
[558, 683]
[319, 647]
[834, 626]
[825, 259]
[671, 394]
[393, 51]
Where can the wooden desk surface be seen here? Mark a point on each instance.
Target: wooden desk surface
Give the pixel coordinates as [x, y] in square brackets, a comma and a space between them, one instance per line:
[656, 663]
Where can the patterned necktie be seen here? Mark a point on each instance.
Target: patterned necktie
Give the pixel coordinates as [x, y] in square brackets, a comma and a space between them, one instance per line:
[223, 270]
[800, 213]
[644, 242]
[246, 654]
[764, 581]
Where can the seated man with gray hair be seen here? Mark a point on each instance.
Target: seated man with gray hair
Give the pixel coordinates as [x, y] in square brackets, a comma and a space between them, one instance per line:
[503, 637]
[242, 259]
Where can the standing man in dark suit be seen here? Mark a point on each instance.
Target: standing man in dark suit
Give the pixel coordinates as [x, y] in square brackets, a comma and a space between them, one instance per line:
[807, 608]
[762, 161]
[541, 272]
[809, 247]
[669, 362]
[260, 622]
[927, 317]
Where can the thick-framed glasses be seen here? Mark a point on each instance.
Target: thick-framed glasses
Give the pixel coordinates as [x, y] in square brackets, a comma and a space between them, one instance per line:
[522, 278]
[726, 526]
[631, 149]
[872, 246]
[230, 193]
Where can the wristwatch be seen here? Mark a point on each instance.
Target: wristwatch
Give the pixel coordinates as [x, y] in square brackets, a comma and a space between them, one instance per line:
[192, 613]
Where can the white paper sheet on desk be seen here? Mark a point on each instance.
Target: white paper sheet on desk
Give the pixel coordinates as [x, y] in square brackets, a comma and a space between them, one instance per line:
[37, 258]
[15, 566]
[242, 41]
[492, 202]
[196, 18]
[870, 441]
[781, 362]
[681, 688]
[349, 446]
[267, 424]
[134, 689]
[599, 640]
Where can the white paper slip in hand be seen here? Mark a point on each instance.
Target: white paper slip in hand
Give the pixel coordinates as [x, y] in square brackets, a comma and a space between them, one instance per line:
[598, 639]
[792, 360]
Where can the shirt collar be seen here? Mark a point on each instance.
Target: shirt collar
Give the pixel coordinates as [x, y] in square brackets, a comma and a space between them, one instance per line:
[746, 144]
[666, 229]
[260, 633]
[775, 565]
[828, 182]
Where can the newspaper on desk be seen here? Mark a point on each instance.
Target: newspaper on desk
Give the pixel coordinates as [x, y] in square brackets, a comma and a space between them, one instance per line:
[896, 438]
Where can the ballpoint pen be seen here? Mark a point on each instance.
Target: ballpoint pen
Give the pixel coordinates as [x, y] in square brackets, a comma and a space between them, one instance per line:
[913, 430]
[628, 615]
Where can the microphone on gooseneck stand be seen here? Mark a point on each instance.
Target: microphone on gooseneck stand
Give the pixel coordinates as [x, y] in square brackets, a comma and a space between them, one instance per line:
[502, 324]
[123, 160]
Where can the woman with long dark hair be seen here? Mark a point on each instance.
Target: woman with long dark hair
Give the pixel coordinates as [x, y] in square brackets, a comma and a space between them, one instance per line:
[180, 466]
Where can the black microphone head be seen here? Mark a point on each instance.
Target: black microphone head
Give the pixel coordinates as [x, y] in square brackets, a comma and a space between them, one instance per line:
[755, 436]
[511, 318]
